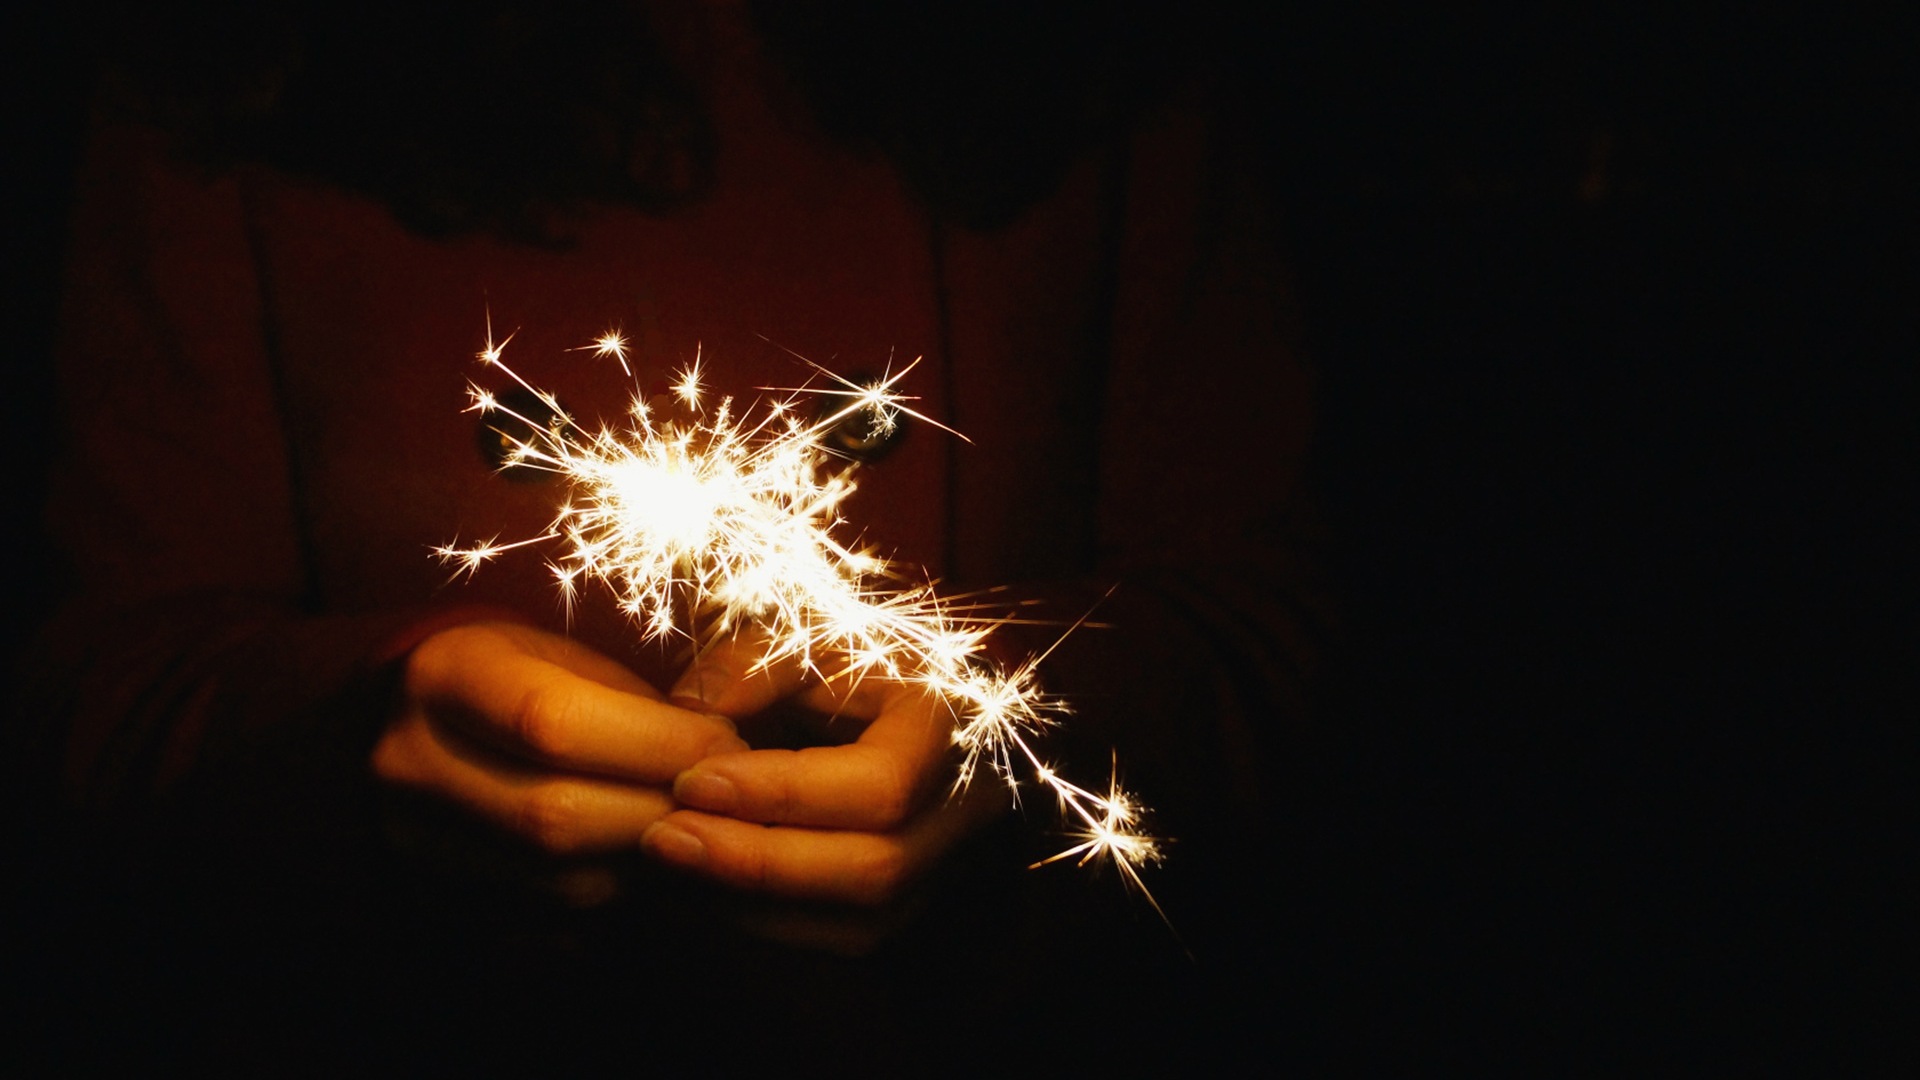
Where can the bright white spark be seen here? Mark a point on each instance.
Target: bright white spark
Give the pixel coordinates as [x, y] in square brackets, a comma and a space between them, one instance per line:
[702, 524]
[687, 389]
[491, 353]
[612, 343]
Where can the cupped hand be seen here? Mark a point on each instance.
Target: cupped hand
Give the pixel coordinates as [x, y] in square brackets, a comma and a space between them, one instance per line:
[542, 737]
[852, 822]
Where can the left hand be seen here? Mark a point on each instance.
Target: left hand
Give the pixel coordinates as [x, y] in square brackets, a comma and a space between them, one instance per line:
[853, 823]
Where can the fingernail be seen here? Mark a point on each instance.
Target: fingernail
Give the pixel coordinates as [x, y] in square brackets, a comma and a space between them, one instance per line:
[690, 702]
[706, 791]
[731, 742]
[697, 690]
[670, 843]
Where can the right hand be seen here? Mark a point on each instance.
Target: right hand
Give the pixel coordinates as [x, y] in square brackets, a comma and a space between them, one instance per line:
[853, 819]
[542, 738]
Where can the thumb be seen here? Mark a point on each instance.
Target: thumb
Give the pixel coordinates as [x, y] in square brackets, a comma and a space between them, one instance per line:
[734, 678]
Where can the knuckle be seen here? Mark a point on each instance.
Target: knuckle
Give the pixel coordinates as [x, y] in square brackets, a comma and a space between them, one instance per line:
[750, 868]
[437, 662]
[425, 664]
[394, 758]
[389, 759]
[882, 875]
[893, 794]
[781, 805]
[542, 721]
[552, 817]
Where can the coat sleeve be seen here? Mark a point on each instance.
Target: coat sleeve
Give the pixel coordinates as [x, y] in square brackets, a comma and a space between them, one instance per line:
[185, 650]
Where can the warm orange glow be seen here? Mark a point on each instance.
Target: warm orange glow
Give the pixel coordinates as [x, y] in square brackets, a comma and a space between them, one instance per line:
[703, 524]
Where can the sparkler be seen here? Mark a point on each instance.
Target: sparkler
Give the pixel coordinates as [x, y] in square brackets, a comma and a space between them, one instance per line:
[716, 520]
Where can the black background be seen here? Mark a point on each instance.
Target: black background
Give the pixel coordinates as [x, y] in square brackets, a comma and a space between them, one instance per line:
[1614, 321]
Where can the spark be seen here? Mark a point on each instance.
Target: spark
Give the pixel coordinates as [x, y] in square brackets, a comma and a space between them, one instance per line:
[1109, 826]
[491, 353]
[687, 389]
[715, 519]
[612, 343]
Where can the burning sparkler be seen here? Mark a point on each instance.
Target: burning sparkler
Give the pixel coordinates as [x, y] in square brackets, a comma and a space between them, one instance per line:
[716, 520]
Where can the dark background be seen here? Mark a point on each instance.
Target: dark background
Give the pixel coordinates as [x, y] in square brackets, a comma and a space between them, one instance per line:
[1615, 316]
[1614, 320]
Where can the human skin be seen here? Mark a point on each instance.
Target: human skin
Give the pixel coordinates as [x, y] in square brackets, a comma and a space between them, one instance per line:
[851, 821]
[542, 738]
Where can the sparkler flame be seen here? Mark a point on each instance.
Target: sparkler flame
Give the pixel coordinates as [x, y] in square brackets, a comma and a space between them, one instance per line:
[700, 525]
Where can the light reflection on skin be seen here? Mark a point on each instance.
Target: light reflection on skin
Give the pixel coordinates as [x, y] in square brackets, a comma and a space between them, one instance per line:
[712, 522]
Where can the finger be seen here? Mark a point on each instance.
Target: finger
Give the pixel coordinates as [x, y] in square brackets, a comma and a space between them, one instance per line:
[745, 672]
[559, 813]
[526, 697]
[855, 693]
[805, 864]
[872, 783]
[734, 677]
[581, 660]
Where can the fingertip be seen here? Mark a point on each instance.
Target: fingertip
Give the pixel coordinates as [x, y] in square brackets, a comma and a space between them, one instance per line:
[698, 688]
[705, 790]
[728, 742]
[736, 679]
[674, 845]
[702, 686]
